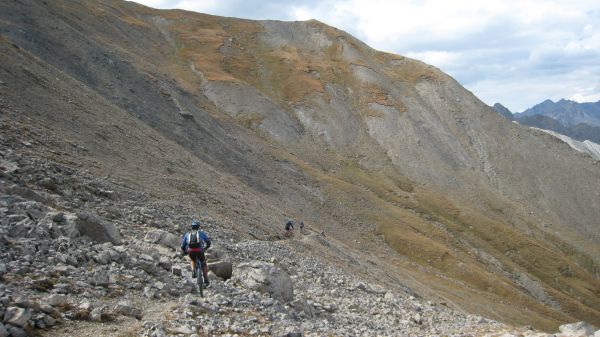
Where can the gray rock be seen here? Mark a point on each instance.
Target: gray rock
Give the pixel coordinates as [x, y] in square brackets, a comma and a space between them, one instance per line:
[165, 263]
[57, 216]
[3, 269]
[68, 227]
[126, 309]
[96, 315]
[418, 319]
[100, 278]
[222, 269]
[33, 209]
[57, 300]
[287, 331]
[49, 320]
[48, 184]
[163, 238]
[577, 329]
[149, 292]
[176, 270]
[17, 332]
[17, 316]
[97, 229]
[264, 277]
[3, 331]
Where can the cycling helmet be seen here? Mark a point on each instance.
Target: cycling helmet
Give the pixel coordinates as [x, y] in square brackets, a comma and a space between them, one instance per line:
[195, 224]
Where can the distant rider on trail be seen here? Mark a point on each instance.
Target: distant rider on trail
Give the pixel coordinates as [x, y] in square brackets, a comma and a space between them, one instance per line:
[195, 243]
[289, 227]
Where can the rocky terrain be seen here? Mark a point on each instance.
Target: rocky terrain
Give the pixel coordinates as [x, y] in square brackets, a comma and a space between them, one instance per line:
[85, 256]
[121, 123]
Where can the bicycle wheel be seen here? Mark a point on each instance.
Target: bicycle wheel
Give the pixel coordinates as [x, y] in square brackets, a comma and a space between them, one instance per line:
[199, 277]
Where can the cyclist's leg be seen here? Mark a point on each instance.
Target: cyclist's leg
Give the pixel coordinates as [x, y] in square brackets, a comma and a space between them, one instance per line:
[204, 267]
[193, 262]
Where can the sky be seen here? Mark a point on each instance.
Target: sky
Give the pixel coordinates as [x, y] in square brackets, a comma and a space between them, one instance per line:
[518, 53]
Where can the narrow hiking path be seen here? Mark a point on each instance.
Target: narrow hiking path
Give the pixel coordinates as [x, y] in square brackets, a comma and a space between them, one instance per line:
[122, 326]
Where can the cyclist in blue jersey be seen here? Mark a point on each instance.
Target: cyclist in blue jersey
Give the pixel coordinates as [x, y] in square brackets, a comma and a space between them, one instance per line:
[195, 243]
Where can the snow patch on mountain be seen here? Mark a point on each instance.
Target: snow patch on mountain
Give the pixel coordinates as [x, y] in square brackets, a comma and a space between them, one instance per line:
[591, 148]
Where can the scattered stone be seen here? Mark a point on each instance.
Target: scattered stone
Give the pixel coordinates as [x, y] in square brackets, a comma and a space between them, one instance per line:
[17, 316]
[57, 300]
[126, 309]
[17, 332]
[3, 331]
[96, 315]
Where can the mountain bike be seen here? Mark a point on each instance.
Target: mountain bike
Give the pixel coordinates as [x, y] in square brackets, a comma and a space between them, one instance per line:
[289, 233]
[199, 276]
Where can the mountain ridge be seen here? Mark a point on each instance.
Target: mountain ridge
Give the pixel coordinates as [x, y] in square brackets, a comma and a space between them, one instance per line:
[539, 118]
[567, 112]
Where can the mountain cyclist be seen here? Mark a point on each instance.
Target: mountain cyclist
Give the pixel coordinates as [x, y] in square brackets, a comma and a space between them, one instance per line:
[195, 243]
[289, 227]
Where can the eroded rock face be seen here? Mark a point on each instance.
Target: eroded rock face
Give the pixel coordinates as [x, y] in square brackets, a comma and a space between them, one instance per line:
[264, 277]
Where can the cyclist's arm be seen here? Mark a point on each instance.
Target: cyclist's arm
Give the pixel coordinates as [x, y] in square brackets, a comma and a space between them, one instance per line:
[184, 243]
[206, 239]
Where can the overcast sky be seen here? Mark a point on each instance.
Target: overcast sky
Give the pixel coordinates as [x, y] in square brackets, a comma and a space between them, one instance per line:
[518, 53]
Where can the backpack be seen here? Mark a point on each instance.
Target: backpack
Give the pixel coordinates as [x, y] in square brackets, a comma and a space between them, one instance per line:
[194, 240]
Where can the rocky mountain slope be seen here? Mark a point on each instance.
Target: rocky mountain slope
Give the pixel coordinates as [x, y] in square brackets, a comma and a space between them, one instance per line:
[591, 148]
[422, 190]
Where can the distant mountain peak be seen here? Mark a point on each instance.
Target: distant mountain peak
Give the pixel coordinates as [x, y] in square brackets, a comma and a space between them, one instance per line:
[504, 111]
[567, 112]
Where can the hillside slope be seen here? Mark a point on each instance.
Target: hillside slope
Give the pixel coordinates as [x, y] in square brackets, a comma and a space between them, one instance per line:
[256, 121]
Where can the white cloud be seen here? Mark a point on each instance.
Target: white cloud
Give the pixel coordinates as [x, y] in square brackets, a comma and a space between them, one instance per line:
[517, 52]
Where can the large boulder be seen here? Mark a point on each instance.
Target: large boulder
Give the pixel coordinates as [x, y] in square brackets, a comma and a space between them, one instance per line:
[97, 229]
[223, 269]
[219, 263]
[576, 329]
[163, 238]
[264, 277]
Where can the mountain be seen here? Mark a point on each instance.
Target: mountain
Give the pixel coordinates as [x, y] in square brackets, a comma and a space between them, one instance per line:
[581, 131]
[504, 111]
[151, 117]
[568, 113]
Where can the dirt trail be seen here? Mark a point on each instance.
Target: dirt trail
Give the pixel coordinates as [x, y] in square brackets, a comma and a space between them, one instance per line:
[123, 326]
